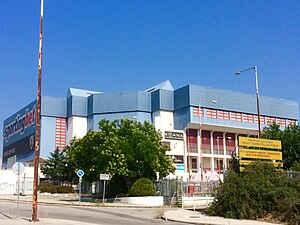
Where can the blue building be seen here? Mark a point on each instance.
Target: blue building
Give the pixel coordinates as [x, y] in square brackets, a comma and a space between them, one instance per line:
[199, 124]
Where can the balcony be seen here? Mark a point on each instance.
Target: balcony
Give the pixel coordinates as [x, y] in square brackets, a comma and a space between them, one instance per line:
[192, 148]
[218, 150]
[206, 149]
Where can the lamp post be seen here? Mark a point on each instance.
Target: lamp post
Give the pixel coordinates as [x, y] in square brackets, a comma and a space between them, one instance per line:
[257, 95]
[200, 133]
[219, 166]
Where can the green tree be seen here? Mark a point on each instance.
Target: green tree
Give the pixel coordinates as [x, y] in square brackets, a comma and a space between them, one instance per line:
[290, 140]
[122, 147]
[57, 167]
[144, 153]
[98, 152]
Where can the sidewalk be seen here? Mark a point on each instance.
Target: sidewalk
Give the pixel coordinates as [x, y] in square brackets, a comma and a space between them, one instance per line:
[171, 214]
[194, 217]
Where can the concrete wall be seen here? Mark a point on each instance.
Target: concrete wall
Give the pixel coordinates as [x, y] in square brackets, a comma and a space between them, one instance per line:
[143, 201]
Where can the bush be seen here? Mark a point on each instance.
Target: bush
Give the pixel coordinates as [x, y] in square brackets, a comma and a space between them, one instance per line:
[65, 189]
[51, 188]
[117, 187]
[259, 191]
[142, 187]
[47, 187]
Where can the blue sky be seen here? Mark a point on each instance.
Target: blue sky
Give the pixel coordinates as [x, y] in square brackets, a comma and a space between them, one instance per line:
[133, 45]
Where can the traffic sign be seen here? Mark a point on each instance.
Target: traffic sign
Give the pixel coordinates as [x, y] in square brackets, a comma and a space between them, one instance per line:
[105, 176]
[80, 173]
[18, 168]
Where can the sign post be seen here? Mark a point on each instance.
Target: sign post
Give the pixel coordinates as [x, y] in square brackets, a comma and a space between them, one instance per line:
[104, 177]
[80, 174]
[18, 168]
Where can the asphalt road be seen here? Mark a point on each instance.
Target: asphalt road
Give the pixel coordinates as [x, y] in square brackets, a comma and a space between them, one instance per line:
[92, 215]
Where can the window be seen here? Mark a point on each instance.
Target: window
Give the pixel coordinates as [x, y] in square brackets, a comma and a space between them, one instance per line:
[292, 122]
[206, 142]
[60, 133]
[211, 113]
[219, 164]
[262, 119]
[196, 112]
[270, 120]
[281, 122]
[248, 118]
[192, 144]
[194, 165]
[223, 115]
[236, 116]
[230, 143]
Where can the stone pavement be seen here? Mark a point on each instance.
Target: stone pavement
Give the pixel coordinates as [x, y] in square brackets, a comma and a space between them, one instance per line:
[171, 214]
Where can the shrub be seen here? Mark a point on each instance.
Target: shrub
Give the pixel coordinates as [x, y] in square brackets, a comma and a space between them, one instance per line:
[51, 188]
[142, 187]
[258, 191]
[47, 187]
[65, 189]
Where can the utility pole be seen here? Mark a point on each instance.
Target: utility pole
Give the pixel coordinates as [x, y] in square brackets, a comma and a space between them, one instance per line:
[38, 122]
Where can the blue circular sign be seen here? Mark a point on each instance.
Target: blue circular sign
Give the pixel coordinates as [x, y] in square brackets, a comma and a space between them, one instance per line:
[80, 173]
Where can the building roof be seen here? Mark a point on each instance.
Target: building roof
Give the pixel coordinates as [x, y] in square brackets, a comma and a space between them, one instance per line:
[166, 85]
[80, 92]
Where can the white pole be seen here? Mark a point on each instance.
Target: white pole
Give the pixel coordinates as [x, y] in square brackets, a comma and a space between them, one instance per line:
[18, 211]
[103, 192]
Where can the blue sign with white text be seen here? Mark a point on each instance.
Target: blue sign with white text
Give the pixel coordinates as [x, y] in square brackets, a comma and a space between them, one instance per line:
[179, 166]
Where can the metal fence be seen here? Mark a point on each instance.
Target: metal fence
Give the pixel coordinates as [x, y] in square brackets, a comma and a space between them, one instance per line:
[293, 174]
[174, 189]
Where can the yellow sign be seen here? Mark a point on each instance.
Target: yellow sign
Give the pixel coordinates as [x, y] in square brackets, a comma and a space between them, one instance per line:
[260, 154]
[247, 162]
[261, 143]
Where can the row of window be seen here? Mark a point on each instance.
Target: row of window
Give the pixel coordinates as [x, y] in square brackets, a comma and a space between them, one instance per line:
[60, 133]
[241, 117]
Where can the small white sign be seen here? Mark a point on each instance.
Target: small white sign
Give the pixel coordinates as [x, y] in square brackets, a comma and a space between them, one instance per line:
[18, 168]
[105, 176]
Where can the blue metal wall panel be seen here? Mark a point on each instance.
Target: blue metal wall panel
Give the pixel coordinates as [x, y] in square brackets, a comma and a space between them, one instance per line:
[162, 100]
[90, 123]
[121, 102]
[69, 106]
[241, 102]
[144, 101]
[90, 105]
[181, 98]
[52, 106]
[79, 106]
[155, 101]
[48, 125]
[181, 118]
[279, 108]
[166, 100]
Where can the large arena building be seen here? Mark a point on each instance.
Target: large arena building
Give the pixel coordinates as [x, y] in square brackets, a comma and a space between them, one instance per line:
[200, 124]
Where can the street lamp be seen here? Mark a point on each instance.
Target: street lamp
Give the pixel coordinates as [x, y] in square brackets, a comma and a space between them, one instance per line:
[257, 95]
[200, 141]
[219, 166]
